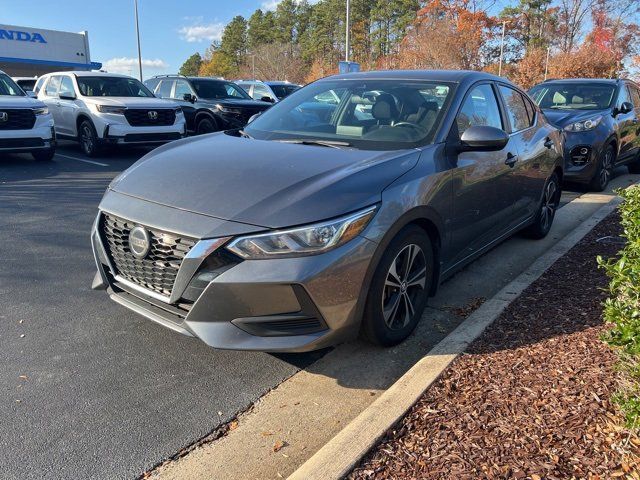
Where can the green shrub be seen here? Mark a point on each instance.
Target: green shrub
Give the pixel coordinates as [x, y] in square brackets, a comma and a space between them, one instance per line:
[622, 308]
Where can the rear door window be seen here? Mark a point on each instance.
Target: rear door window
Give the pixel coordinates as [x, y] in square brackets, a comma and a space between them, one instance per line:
[52, 86]
[164, 89]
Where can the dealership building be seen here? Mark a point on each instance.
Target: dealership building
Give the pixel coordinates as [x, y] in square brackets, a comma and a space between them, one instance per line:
[29, 52]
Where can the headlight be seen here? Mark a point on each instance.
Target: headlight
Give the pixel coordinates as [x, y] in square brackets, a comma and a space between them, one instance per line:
[224, 109]
[309, 240]
[584, 125]
[41, 111]
[110, 109]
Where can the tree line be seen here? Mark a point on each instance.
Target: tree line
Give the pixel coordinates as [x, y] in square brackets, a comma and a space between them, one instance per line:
[301, 42]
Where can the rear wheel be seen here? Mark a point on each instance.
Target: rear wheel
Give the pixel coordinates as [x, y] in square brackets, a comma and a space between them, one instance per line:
[399, 289]
[88, 138]
[206, 125]
[547, 211]
[604, 171]
[44, 155]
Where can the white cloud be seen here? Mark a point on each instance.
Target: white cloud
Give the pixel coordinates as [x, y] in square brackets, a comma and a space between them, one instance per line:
[200, 32]
[128, 65]
[272, 4]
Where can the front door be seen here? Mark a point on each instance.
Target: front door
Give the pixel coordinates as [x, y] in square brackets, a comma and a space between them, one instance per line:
[65, 121]
[483, 192]
[182, 88]
[627, 127]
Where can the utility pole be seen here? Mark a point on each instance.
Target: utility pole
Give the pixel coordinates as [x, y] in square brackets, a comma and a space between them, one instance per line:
[546, 63]
[504, 27]
[346, 43]
[135, 5]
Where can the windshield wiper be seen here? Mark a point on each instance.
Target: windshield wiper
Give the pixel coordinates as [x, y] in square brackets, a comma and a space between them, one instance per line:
[244, 134]
[321, 143]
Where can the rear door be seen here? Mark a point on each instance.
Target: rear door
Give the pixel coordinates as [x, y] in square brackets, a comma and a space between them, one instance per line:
[180, 89]
[531, 138]
[484, 190]
[50, 98]
[65, 122]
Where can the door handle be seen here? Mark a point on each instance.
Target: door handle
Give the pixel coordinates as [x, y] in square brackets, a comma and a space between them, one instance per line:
[511, 159]
[58, 104]
[548, 143]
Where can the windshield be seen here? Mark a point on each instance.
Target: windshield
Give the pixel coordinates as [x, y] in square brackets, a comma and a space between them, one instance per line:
[282, 91]
[112, 87]
[365, 114]
[218, 90]
[9, 87]
[573, 96]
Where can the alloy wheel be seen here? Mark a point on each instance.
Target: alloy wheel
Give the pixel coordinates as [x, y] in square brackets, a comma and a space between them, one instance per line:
[405, 283]
[549, 205]
[605, 171]
[87, 138]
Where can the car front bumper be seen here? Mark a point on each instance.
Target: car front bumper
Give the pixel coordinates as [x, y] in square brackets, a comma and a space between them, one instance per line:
[581, 167]
[288, 304]
[41, 137]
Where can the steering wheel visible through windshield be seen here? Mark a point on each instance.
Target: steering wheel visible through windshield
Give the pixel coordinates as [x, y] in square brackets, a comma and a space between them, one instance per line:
[365, 114]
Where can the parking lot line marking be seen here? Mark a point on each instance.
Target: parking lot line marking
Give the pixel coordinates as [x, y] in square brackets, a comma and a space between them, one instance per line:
[82, 160]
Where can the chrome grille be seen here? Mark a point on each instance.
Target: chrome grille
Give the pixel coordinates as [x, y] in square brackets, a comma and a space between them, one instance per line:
[158, 270]
[17, 118]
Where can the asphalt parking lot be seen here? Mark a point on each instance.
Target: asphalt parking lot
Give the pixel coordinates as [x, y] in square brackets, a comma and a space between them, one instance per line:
[90, 390]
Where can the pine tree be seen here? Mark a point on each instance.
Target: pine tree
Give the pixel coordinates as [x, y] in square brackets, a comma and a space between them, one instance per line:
[191, 66]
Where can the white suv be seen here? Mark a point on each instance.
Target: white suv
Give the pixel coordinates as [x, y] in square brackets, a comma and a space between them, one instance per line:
[100, 109]
[25, 123]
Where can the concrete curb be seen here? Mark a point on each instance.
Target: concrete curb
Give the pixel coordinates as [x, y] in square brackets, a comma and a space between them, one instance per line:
[343, 452]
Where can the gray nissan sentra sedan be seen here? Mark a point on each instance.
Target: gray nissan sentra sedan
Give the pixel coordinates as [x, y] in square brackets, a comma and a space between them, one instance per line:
[337, 211]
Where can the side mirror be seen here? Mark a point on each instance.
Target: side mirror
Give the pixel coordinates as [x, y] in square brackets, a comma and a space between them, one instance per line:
[253, 117]
[483, 139]
[67, 96]
[31, 94]
[267, 99]
[626, 107]
[187, 97]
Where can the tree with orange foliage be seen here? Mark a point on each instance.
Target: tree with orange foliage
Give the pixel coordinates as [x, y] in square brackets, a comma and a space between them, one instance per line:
[448, 34]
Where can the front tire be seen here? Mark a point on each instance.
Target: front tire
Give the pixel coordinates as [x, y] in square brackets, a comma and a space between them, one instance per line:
[604, 171]
[399, 289]
[88, 139]
[44, 155]
[206, 125]
[547, 211]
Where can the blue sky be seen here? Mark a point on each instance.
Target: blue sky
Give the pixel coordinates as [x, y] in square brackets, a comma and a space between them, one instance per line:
[170, 31]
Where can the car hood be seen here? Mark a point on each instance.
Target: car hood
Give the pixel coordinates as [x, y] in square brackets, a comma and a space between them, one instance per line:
[264, 183]
[11, 101]
[562, 118]
[239, 103]
[134, 102]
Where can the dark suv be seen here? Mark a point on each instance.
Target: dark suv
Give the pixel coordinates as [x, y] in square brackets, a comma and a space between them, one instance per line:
[599, 119]
[209, 104]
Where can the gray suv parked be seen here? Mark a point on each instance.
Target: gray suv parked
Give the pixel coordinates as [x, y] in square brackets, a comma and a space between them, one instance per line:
[305, 228]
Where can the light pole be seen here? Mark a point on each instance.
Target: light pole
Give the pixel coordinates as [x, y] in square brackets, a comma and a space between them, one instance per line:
[504, 27]
[135, 6]
[346, 43]
[546, 63]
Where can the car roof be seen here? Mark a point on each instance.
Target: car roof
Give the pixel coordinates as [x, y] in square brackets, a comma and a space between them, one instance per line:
[438, 75]
[612, 81]
[280, 82]
[83, 73]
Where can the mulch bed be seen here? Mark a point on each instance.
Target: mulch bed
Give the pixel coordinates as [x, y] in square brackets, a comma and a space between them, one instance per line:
[531, 398]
